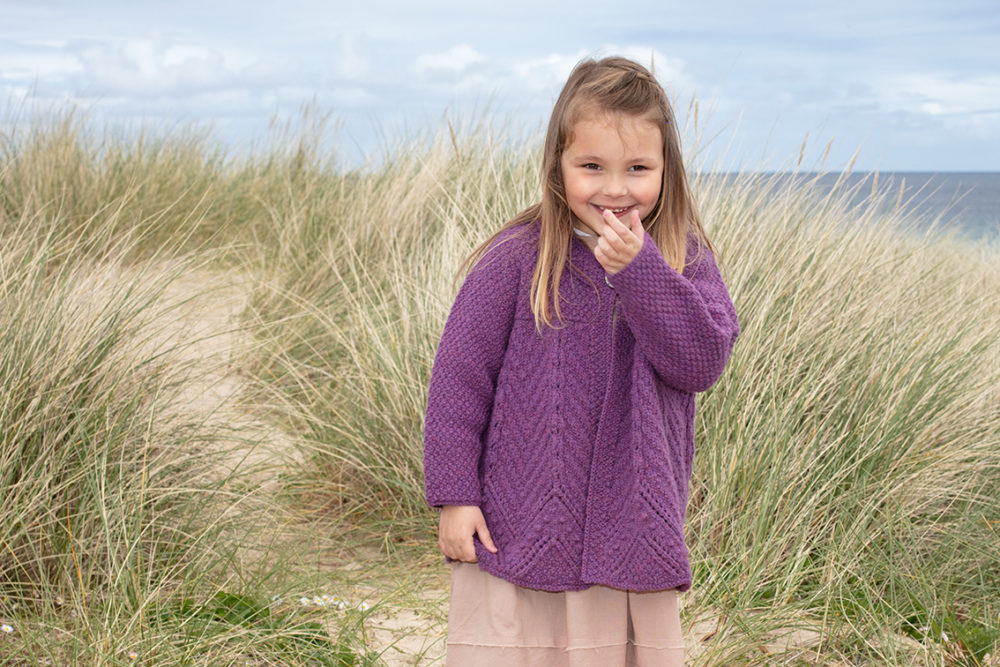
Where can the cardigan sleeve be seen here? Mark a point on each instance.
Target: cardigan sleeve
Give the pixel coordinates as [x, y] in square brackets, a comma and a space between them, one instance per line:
[463, 378]
[684, 324]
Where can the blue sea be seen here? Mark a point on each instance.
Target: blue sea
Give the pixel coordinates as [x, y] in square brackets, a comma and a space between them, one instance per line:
[967, 202]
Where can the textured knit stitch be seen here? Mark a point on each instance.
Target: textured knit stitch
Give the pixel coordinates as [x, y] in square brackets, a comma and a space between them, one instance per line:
[577, 443]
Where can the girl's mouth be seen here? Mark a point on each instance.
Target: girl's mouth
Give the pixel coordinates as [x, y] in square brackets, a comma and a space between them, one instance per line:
[617, 211]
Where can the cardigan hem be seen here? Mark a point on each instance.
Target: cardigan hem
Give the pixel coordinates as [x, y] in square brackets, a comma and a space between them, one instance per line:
[579, 585]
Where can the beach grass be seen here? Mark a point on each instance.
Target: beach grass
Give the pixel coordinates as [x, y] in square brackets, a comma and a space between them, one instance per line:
[845, 502]
[127, 534]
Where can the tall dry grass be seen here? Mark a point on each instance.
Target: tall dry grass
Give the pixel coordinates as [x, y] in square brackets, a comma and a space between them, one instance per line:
[849, 464]
[847, 470]
[351, 315]
[846, 480]
[126, 533]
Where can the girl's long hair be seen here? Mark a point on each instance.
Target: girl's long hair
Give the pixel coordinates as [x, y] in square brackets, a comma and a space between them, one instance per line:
[616, 85]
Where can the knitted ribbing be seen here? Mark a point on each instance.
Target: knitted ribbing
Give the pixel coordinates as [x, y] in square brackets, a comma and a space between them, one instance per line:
[577, 443]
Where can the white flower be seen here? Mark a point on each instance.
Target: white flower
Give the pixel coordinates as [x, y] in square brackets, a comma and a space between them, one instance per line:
[133, 654]
[59, 601]
[327, 600]
[341, 605]
[304, 601]
[6, 629]
[364, 606]
[944, 637]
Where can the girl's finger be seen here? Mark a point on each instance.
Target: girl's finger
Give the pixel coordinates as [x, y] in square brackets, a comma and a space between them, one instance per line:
[636, 223]
[484, 537]
[612, 221]
[611, 236]
[623, 229]
[469, 551]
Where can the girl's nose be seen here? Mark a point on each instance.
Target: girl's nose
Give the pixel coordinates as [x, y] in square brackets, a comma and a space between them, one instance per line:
[615, 185]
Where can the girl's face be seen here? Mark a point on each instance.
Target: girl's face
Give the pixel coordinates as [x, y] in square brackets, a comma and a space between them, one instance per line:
[613, 161]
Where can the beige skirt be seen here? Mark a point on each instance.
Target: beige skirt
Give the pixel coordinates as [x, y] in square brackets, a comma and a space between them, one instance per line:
[494, 623]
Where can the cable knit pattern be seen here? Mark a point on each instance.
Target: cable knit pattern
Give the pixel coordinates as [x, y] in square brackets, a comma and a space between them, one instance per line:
[577, 443]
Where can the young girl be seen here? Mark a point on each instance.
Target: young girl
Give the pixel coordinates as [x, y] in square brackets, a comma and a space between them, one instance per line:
[560, 416]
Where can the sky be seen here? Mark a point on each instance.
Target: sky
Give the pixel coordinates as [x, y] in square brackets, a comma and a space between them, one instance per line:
[891, 85]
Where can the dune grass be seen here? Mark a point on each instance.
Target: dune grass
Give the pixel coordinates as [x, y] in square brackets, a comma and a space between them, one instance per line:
[847, 471]
[847, 476]
[125, 537]
[848, 462]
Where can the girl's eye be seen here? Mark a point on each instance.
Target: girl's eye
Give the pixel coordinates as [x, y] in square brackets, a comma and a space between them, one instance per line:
[590, 165]
[638, 167]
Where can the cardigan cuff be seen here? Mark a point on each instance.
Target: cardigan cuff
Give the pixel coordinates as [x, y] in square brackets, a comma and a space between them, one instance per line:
[441, 501]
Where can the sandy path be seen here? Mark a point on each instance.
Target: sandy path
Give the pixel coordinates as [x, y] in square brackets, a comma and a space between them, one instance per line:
[409, 627]
[201, 320]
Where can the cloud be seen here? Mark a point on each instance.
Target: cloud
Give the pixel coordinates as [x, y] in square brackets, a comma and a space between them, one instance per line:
[546, 72]
[152, 66]
[350, 63]
[455, 59]
[960, 101]
[25, 62]
[275, 70]
[938, 94]
[551, 71]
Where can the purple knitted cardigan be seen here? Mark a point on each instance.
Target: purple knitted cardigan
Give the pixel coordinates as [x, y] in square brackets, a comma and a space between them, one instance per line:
[577, 443]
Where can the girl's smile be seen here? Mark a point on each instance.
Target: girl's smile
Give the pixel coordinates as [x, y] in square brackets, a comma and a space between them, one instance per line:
[613, 162]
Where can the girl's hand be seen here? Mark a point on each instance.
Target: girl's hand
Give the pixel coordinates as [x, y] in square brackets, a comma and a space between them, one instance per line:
[456, 527]
[618, 243]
